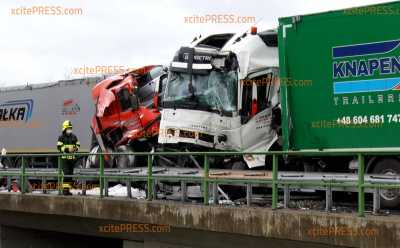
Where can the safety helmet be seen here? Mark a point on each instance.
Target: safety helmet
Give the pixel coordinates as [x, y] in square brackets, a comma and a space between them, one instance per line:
[66, 124]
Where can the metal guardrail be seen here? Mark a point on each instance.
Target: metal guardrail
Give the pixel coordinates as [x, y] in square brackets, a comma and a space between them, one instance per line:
[151, 175]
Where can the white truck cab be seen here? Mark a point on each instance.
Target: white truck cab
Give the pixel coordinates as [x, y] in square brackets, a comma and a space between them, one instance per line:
[222, 97]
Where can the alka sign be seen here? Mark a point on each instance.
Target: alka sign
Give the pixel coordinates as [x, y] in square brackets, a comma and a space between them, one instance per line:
[17, 110]
[366, 73]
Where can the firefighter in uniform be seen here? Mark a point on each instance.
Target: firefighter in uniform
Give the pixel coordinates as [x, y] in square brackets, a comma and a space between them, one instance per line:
[67, 143]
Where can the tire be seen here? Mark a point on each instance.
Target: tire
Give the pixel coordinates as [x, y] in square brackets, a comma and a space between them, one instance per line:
[389, 166]
[6, 163]
[80, 163]
[125, 161]
[93, 161]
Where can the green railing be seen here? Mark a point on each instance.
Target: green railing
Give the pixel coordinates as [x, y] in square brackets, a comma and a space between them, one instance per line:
[205, 179]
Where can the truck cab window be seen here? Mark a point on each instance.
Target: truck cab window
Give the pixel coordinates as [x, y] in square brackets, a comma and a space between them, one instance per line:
[261, 100]
[246, 99]
[111, 110]
[124, 99]
[264, 87]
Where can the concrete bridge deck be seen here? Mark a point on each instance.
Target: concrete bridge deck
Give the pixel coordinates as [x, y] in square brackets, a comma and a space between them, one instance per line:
[191, 225]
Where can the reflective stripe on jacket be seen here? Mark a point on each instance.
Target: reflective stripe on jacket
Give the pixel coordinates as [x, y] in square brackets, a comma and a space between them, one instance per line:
[68, 144]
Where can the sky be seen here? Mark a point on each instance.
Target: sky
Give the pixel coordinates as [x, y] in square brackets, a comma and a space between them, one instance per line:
[46, 47]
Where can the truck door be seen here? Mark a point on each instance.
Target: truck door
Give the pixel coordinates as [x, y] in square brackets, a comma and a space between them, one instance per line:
[258, 92]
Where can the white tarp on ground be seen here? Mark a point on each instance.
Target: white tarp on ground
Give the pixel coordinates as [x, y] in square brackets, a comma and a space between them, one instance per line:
[121, 191]
[117, 190]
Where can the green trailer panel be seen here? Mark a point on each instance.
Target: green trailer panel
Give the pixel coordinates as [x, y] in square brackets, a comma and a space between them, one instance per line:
[340, 78]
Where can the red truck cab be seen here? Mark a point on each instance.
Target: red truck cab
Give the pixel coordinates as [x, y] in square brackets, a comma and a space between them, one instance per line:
[127, 116]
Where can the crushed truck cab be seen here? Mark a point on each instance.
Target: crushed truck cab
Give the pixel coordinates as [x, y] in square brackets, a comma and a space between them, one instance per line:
[127, 117]
[215, 98]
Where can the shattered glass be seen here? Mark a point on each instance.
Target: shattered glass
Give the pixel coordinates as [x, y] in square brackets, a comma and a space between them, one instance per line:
[216, 90]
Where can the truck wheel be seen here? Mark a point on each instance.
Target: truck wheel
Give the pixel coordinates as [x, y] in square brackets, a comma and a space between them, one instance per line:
[125, 161]
[93, 161]
[6, 163]
[390, 198]
[80, 163]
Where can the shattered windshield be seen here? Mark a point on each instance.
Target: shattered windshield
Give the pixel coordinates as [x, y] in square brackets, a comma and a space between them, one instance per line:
[215, 91]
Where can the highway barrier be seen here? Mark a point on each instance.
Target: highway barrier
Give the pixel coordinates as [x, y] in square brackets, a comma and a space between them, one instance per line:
[205, 176]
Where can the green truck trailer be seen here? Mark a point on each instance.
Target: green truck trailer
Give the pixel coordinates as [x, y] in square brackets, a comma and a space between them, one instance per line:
[340, 83]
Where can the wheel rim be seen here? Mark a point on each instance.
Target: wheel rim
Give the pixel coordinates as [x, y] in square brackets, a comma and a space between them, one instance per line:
[125, 161]
[390, 194]
[91, 160]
